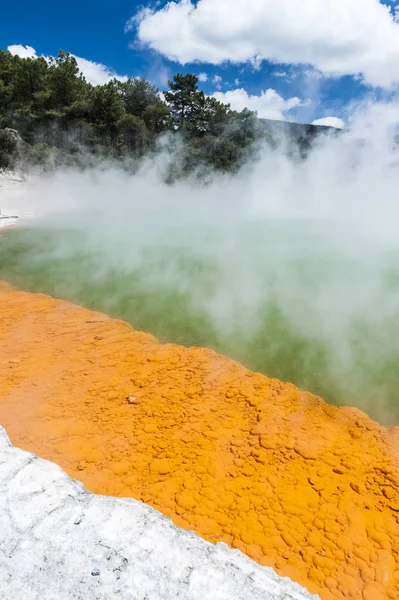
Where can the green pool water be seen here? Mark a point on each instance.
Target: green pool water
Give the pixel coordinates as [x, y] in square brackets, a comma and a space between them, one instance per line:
[283, 299]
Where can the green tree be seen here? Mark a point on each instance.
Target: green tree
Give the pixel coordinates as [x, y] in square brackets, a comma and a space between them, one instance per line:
[55, 110]
[134, 134]
[216, 116]
[8, 147]
[186, 104]
[245, 127]
[138, 94]
[156, 117]
[107, 109]
[6, 76]
[142, 100]
[28, 83]
[6, 67]
[65, 80]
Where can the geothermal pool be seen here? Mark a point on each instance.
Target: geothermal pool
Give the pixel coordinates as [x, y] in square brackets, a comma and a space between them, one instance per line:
[302, 301]
[297, 485]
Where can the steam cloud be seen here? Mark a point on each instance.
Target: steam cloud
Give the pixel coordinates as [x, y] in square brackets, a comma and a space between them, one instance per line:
[290, 266]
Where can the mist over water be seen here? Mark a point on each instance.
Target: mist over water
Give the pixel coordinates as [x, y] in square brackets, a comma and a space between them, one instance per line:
[290, 267]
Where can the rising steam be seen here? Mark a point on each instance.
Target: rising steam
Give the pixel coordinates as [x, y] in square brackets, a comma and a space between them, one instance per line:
[290, 266]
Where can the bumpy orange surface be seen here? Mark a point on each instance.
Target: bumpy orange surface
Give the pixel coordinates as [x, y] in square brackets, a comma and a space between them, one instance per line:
[298, 485]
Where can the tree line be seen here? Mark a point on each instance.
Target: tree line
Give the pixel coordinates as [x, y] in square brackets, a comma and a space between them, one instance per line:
[54, 109]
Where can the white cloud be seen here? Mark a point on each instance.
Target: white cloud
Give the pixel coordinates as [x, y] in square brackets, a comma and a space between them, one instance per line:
[330, 122]
[282, 74]
[22, 51]
[217, 81]
[256, 62]
[95, 73]
[269, 104]
[202, 77]
[336, 37]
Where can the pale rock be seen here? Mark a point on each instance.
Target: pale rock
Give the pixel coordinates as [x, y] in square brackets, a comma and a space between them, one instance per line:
[58, 541]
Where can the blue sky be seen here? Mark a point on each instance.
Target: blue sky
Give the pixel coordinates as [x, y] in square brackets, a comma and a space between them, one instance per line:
[304, 60]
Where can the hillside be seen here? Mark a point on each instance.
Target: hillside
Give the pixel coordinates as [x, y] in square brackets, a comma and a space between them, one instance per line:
[61, 119]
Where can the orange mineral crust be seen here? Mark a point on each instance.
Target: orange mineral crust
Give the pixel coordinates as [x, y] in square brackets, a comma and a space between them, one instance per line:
[306, 488]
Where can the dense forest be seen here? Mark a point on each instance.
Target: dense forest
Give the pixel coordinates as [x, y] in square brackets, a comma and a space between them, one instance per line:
[60, 118]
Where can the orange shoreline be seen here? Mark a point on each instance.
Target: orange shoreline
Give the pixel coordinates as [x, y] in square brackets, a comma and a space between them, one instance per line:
[307, 488]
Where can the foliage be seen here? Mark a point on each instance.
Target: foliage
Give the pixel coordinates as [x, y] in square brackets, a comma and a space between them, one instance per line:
[8, 147]
[54, 109]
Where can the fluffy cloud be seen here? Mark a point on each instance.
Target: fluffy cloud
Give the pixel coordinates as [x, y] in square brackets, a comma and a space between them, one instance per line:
[95, 73]
[217, 81]
[202, 77]
[282, 74]
[22, 51]
[336, 37]
[330, 122]
[269, 105]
